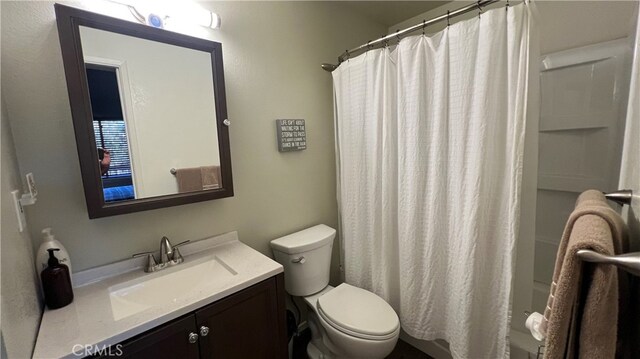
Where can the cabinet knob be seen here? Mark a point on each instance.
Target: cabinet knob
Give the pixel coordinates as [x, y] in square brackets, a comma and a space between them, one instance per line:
[204, 331]
[193, 337]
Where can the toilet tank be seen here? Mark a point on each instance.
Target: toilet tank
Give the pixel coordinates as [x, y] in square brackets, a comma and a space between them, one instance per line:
[306, 258]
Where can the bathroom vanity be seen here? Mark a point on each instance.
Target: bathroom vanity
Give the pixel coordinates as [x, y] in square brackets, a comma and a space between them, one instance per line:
[243, 325]
[225, 300]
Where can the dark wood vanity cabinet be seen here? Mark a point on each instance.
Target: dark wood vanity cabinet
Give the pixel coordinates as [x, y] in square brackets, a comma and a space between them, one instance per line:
[246, 324]
[167, 341]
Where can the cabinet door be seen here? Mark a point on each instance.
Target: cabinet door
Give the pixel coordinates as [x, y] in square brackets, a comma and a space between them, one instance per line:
[167, 341]
[248, 324]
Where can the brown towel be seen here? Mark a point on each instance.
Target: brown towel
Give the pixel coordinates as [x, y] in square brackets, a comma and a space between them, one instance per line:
[198, 178]
[189, 179]
[210, 177]
[587, 305]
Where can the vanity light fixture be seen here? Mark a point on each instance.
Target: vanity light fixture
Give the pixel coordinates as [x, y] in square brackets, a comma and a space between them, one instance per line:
[159, 13]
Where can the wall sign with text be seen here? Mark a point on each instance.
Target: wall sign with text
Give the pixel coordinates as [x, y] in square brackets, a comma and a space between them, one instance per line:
[292, 135]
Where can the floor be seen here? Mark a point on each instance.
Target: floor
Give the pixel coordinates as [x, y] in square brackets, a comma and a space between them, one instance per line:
[406, 351]
[401, 351]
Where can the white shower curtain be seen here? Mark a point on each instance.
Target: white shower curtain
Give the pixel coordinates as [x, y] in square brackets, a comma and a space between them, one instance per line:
[429, 140]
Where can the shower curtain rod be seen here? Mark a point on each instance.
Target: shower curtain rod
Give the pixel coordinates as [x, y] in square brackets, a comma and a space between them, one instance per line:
[422, 25]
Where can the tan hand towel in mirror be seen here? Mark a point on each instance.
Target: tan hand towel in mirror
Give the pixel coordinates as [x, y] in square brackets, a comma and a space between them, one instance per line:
[586, 313]
[210, 177]
[189, 179]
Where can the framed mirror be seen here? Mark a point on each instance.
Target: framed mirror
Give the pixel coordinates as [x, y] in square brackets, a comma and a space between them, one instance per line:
[149, 113]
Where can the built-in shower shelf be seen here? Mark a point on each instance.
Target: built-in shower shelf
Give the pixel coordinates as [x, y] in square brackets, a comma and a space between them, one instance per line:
[568, 183]
[540, 295]
[581, 128]
[548, 240]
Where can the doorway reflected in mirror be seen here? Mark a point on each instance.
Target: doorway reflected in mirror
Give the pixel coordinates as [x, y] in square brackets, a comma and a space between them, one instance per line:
[110, 132]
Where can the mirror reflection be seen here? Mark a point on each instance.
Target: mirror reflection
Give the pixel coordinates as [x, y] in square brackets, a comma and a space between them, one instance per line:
[154, 116]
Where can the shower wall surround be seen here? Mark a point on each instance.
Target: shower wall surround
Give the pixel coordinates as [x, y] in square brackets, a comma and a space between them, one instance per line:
[271, 72]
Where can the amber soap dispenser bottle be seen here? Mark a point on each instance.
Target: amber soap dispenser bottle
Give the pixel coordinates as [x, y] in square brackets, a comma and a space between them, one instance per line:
[56, 282]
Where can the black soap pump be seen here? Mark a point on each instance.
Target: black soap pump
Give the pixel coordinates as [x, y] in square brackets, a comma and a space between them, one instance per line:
[56, 282]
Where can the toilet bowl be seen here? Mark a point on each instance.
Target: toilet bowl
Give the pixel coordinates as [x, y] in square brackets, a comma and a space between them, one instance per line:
[345, 321]
[352, 323]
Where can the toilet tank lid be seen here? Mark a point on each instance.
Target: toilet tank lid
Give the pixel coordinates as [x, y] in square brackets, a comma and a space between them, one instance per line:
[305, 240]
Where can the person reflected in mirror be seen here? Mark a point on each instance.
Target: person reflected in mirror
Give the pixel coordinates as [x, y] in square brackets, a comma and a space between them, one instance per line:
[104, 160]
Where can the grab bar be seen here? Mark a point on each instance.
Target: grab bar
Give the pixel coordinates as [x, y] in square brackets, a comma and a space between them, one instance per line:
[630, 262]
[622, 196]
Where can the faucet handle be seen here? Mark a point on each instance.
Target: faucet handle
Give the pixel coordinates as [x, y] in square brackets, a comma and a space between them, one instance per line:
[151, 261]
[181, 244]
[176, 257]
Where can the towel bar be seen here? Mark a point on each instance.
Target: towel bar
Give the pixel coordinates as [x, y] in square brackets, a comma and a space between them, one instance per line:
[629, 261]
[622, 196]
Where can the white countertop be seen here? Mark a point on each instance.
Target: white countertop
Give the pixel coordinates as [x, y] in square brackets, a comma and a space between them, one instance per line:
[89, 320]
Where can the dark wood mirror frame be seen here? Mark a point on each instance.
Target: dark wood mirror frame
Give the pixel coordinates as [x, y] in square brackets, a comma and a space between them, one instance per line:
[69, 20]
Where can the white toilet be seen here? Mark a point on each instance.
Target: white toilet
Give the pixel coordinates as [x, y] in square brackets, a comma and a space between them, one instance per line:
[345, 321]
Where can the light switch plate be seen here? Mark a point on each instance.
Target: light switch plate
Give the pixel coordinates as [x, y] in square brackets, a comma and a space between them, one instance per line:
[31, 183]
[22, 220]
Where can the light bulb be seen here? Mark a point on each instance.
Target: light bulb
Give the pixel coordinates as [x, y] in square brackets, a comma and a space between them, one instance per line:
[195, 15]
[183, 12]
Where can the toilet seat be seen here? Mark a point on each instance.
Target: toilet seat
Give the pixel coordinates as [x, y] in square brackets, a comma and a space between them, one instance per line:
[358, 312]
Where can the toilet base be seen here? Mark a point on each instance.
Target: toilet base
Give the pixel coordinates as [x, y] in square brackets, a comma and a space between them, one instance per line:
[314, 353]
[322, 346]
[316, 348]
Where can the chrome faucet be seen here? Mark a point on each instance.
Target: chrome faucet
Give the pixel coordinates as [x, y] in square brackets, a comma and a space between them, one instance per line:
[165, 251]
[169, 256]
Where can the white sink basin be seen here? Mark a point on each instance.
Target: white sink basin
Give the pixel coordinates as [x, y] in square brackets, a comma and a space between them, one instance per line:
[168, 286]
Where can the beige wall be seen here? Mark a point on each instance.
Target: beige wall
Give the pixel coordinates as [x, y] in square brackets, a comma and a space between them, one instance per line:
[272, 55]
[20, 298]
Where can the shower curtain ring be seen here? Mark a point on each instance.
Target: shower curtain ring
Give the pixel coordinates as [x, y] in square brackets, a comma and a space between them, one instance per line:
[398, 35]
[507, 6]
[424, 25]
[479, 8]
[448, 18]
